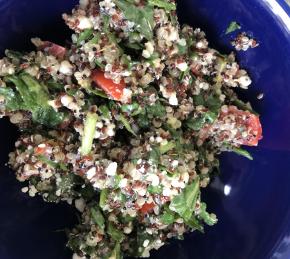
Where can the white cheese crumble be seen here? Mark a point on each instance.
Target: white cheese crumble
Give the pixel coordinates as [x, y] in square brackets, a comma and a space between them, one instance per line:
[80, 204]
[91, 173]
[66, 68]
[84, 23]
[111, 169]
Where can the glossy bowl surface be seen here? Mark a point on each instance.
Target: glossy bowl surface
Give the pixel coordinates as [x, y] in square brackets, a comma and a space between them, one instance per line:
[250, 198]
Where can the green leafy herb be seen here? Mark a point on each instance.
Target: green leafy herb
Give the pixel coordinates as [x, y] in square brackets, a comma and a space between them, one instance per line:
[129, 108]
[103, 198]
[32, 97]
[51, 84]
[143, 18]
[105, 111]
[167, 218]
[194, 223]
[242, 152]
[167, 147]
[95, 39]
[199, 122]
[156, 110]
[116, 253]
[53, 164]
[154, 189]
[86, 34]
[233, 26]
[143, 121]
[115, 233]
[184, 203]
[209, 219]
[88, 192]
[47, 116]
[99, 64]
[13, 100]
[126, 124]
[98, 217]
[89, 133]
[155, 155]
[165, 4]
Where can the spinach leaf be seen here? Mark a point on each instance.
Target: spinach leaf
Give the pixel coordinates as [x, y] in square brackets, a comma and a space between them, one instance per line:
[105, 111]
[209, 219]
[154, 155]
[115, 233]
[198, 123]
[156, 110]
[184, 203]
[213, 104]
[126, 124]
[103, 198]
[242, 152]
[13, 101]
[143, 121]
[129, 108]
[53, 164]
[116, 253]
[194, 223]
[143, 18]
[165, 4]
[87, 192]
[86, 34]
[154, 189]
[98, 217]
[233, 26]
[167, 147]
[47, 116]
[167, 218]
[32, 97]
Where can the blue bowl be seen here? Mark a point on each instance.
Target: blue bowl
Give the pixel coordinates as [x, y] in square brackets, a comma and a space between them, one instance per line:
[250, 198]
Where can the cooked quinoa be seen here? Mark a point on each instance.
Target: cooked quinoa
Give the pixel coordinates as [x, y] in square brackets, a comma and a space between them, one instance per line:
[125, 124]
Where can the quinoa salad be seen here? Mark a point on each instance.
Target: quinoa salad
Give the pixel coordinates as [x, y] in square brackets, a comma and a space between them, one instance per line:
[125, 123]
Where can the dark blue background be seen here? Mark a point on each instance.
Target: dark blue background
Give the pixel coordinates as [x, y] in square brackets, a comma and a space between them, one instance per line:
[254, 220]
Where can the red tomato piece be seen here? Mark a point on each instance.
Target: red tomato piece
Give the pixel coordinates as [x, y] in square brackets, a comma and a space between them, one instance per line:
[255, 130]
[112, 89]
[147, 207]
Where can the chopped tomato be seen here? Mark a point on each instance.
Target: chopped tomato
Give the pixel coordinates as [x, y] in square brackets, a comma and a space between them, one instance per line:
[112, 89]
[147, 207]
[244, 121]
[41, 149]
[53, 49]
[247, 120]
[254, 129]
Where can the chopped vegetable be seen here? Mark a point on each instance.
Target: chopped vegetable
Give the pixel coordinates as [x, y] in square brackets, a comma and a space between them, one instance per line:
[143, 18]
[112, 89]
[89, 132]
[233, 27]
[163, 4]
[242, 152]
[98, 217]
[184, 203]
